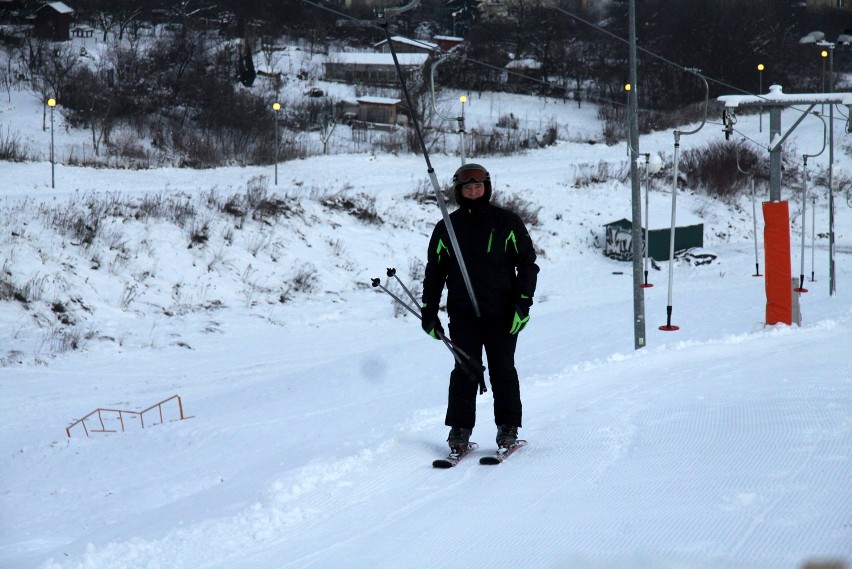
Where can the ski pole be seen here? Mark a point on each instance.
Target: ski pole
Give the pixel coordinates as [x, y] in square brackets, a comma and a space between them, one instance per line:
[392, 273]
[377, 283]
[462, 358]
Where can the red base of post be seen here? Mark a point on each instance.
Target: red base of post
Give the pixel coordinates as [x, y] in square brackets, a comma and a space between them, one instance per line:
[776, 239]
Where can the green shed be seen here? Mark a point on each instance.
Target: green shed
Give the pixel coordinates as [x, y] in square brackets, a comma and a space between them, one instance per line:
[619, 239]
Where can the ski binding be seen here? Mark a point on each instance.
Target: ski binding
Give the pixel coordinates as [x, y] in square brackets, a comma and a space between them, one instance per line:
[502, 453]
[453, 458]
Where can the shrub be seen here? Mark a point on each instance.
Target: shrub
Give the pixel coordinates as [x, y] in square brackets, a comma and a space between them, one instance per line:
[713, 169]
[303, 281]
[525, 210]
[423, 193]
[586, 174]
[11, 147]
[360, 206]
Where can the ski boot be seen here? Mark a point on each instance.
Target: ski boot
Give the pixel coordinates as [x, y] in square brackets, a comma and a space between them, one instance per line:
[459, 439]
[507, 436]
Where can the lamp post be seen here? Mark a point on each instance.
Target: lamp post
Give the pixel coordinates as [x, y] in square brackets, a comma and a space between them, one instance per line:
[455, 15]
[760, 68]
[830, 49]
[824, 55]
[462, 100]
[276, 106]
[52, 103]
[627, 89]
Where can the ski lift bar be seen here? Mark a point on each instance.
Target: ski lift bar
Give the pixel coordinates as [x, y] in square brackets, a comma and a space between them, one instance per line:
[445, 214]
[668, 326]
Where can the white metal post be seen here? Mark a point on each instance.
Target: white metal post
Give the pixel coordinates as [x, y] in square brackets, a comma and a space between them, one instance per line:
[52, 103]
[276, 107]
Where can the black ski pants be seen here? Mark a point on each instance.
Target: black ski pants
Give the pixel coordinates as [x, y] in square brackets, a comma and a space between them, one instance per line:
[472, 334]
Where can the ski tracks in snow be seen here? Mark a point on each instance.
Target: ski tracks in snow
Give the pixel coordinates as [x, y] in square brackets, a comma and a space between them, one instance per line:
[599, 473]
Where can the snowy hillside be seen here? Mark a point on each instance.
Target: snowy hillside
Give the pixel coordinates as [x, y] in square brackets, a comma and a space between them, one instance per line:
[315, 407]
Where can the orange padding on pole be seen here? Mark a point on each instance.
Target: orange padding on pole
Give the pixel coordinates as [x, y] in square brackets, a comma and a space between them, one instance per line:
[776, 239]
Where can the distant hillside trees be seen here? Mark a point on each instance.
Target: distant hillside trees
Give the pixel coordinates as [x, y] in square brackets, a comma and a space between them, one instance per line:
[725, 40]
[181, 94]
[180, 73]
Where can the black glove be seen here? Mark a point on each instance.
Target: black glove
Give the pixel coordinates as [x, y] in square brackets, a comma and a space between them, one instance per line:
[522, 314]
[430, 322]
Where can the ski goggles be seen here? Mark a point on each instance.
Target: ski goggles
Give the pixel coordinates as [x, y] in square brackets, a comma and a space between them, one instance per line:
[472, 175]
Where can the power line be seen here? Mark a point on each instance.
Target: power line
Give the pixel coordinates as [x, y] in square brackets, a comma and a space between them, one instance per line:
[645, 50]
[572, 15]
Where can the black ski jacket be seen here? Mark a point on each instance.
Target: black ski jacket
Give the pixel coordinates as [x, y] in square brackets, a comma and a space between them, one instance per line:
[499, 256]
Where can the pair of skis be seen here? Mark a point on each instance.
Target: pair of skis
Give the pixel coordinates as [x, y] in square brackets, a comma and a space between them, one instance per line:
[498, 457]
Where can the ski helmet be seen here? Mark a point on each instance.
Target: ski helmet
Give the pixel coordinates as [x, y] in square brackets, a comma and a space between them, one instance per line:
[471, 173]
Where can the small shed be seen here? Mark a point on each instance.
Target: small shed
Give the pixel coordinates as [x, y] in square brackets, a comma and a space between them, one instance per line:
[619, 239]
[378, 110]
[53, 22]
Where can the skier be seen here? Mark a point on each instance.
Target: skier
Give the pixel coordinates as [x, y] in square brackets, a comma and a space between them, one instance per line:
[499, 256]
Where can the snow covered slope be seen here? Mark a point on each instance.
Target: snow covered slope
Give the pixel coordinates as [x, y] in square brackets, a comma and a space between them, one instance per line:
[315, 419]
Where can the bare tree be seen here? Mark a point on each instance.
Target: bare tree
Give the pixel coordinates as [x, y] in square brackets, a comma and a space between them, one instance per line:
[90, 99]
[7, 71]
[186, 11]
[50, 71]
[327, 125]
[120, 18]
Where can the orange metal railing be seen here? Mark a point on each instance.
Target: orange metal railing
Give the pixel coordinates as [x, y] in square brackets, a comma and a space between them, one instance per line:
[122, 414]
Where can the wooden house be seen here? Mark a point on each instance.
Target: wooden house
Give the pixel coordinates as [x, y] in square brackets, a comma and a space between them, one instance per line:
[53, 22]
[378, 110]
[372, 68]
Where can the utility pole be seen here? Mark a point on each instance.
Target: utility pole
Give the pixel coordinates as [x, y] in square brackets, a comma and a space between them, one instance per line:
[638, 239]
